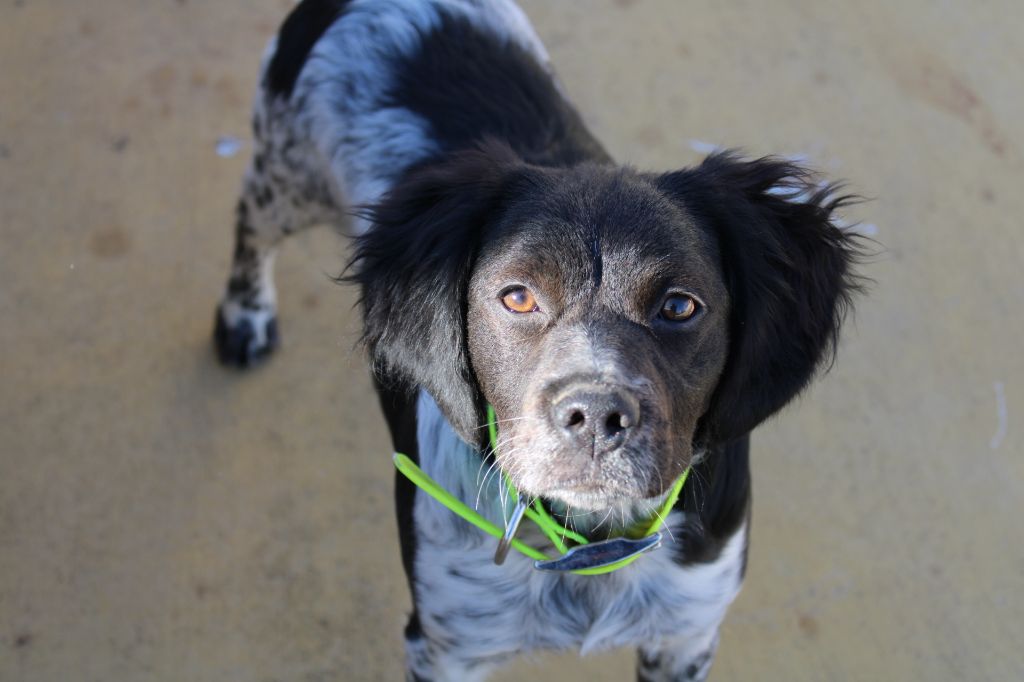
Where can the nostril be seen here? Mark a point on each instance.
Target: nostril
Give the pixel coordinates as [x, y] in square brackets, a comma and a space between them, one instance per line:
[575, 419]
[595, 417]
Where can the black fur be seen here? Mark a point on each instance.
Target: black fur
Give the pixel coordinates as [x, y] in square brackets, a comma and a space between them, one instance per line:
[413, 268]
[716, 500]
[299, 33]
[399, 406]
[789, 271]
[234, 344]
[500, 91]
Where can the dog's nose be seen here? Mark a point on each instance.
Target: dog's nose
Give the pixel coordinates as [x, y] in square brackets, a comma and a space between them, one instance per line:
[595, 416]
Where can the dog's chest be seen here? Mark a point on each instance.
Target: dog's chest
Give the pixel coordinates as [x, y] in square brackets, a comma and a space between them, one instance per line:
[462, 596]
[513, 607]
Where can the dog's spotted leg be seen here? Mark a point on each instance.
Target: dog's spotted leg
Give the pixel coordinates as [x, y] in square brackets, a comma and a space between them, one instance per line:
[678, 660]
[279, 196]
[246, 325]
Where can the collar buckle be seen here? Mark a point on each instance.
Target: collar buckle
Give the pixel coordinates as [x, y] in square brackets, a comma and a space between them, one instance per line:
[505, 543]
[600, 554]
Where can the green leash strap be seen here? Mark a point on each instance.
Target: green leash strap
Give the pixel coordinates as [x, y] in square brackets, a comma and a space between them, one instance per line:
[430, 486]
[410, 470]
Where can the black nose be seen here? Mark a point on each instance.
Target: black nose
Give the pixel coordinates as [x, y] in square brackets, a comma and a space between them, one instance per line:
[595, 416]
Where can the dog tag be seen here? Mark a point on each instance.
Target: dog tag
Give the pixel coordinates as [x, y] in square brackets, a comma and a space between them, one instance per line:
[505, 543]
[598, 554]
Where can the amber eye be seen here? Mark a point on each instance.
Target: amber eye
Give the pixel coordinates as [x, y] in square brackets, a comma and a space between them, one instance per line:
[519, 300]
[678, 308]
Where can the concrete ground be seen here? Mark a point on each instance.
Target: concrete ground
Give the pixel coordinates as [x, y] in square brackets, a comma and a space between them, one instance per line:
[162, 518]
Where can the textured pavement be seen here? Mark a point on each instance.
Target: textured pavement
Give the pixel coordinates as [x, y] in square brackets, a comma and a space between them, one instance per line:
[162, 518]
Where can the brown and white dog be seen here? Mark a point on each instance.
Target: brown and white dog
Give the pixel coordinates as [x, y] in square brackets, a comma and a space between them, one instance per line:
[624, 325]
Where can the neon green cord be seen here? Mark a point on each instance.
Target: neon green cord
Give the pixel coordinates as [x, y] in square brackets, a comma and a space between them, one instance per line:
[429, 486]
[554, 531]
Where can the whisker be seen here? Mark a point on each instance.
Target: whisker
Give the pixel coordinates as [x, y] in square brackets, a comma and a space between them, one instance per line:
[665, 525]
[509, 419]
[702, 482]
[602, 521]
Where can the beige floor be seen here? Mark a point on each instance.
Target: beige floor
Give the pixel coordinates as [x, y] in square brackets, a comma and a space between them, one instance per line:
[164, 519]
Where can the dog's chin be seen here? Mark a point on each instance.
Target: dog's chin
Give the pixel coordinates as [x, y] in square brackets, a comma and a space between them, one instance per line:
[582, 490]
[595, 495]
[596, 492]
[591, 509]
[590, 499]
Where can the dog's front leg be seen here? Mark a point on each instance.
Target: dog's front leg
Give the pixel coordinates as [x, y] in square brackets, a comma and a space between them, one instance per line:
[682, 659]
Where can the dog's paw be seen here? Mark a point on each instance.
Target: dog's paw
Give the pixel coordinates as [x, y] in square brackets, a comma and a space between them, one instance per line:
[244, 337]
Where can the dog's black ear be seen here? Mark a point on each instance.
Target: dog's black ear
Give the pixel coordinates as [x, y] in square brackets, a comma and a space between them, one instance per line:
[789, 272]
[414, 266]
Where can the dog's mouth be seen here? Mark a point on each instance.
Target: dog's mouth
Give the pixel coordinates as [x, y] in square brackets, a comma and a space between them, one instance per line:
[589, 497]
[602, 491]
[599, 509]
[582, 482]
[593, 492]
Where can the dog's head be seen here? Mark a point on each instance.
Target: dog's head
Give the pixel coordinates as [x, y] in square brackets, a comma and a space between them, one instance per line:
[617, 321]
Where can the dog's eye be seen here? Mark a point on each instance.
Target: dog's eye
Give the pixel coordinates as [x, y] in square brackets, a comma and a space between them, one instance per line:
[519, 300]
[679, 308]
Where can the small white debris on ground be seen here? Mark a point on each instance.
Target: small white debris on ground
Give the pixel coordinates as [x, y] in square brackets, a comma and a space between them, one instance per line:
[702, 147]
[1000, 434]
[228, 146]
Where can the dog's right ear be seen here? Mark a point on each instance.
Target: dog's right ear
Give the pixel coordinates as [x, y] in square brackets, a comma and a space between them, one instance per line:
[414, 265]
[790, 273]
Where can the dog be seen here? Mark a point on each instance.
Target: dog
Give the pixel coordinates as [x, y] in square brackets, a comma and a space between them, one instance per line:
[625, 327]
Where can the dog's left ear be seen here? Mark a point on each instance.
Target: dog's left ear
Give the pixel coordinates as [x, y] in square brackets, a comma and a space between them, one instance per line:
[788, 270]
[414, 266]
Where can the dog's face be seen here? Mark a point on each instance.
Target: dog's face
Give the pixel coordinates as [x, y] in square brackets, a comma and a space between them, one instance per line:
[597, 328]
[616, 321]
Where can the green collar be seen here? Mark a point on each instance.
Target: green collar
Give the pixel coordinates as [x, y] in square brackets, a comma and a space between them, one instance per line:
[586, 558]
